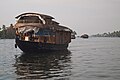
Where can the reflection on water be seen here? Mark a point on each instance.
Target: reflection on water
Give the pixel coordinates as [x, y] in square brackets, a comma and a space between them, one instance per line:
[88, 59]
[54, 65]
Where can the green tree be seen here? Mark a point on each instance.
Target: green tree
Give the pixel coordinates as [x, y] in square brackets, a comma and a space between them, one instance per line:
[3, 32]
[10, 33]
[3, 27]
[109, 34]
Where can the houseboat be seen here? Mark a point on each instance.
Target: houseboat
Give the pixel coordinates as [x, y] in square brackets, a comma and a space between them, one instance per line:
[39, 32]
[85, 36]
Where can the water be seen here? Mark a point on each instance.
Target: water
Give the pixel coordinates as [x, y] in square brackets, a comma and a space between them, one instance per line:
[86, 59]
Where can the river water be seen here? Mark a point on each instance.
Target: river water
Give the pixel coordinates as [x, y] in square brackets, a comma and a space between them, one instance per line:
[85, 59]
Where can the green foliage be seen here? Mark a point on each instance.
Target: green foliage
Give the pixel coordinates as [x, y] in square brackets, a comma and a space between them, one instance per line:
[3, 27]
[7, 32]
[112, 34]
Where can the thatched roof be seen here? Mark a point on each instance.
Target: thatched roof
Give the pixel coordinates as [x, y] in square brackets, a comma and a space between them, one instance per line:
[19, 25]
[49, 22]
[41, 15]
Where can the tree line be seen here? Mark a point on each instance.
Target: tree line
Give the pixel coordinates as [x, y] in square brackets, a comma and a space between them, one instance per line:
[109, 34]
[7, 32]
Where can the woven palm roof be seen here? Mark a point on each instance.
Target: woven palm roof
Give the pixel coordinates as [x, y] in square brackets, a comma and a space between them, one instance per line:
[41, 15]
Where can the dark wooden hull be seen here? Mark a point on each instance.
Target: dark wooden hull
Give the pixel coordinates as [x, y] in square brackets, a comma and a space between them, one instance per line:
[85, 36]
[31, 47]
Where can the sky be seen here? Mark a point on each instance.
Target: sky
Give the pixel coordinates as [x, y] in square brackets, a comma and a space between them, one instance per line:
[82, 16]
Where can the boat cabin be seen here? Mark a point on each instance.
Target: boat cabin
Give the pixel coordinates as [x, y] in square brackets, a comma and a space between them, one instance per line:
[34, 27]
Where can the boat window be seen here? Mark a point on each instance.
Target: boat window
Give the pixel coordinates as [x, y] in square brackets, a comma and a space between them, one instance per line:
[29, 19]
[43, 32]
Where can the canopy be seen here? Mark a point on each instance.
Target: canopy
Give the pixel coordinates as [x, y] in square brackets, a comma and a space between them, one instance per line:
[41, 15]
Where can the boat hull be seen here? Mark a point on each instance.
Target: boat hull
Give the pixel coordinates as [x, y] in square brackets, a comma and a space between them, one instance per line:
[28, 47]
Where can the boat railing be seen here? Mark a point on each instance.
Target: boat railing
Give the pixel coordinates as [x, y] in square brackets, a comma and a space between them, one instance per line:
[35, 38]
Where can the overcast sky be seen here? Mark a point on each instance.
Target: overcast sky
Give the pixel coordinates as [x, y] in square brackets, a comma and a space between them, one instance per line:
[83, 16]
